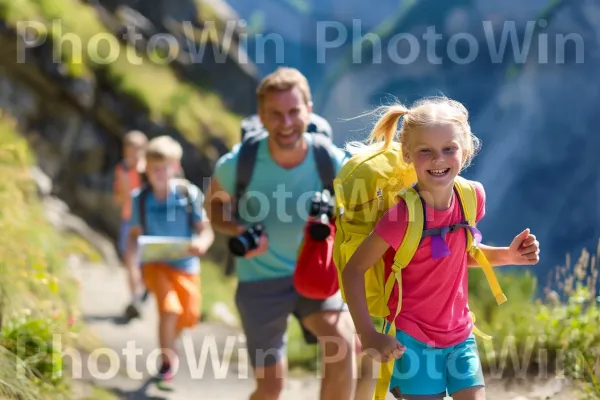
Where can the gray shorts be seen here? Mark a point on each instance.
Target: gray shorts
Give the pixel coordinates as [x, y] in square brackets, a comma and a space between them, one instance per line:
[264, 307]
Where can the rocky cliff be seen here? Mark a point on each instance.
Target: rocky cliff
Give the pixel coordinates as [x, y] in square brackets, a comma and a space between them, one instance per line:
[75, 113]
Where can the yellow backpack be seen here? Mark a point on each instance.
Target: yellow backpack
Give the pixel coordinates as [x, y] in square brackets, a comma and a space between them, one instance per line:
[365, 188]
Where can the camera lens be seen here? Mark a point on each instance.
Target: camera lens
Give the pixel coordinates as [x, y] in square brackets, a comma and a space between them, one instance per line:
[238, 245]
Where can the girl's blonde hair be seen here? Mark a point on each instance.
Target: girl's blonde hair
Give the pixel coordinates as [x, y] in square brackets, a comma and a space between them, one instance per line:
[425, 113]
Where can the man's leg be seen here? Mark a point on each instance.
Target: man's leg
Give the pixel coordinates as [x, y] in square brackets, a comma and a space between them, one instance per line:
[331, 323]
[367, 378]
[264, 308]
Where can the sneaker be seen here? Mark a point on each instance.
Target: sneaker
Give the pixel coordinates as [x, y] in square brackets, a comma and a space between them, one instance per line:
[165, 378]
[132, 311]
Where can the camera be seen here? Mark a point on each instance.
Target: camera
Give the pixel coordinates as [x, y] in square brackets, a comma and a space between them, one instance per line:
[249, 240]
[321, 208]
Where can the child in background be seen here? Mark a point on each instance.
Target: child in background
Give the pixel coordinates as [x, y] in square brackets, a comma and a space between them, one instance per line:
[128, 177]
[175, 283]
[434, 347]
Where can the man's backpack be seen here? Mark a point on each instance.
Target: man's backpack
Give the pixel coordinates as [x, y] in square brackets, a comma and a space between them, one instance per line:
[182, 185]
[253, 133]
[316, 124]
[366, 187]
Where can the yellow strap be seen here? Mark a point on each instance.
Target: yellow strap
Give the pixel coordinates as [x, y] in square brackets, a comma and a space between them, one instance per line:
[414, 229]
[387, 369]
[468, 198]
[482, 261]
[477, 331]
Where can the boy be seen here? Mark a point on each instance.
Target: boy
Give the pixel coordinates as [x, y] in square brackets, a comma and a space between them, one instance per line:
[128, 177]
[175, 283]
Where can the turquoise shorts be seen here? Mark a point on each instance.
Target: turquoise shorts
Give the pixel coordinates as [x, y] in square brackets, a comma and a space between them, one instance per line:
[426, 370]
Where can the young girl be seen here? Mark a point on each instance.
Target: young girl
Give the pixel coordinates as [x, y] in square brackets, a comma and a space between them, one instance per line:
[434, 348]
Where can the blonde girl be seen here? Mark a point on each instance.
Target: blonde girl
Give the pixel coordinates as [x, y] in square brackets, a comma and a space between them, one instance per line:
[434, 347]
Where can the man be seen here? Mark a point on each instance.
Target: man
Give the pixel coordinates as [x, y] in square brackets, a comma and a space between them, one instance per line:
[284, 177]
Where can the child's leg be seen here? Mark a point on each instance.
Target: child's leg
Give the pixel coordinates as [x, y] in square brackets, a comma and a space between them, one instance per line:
[465, 377]
[187, 287]
[472, 393]
[159, 280]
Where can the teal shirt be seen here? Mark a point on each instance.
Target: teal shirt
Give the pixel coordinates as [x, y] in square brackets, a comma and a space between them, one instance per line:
[279, 199]
[169, 218]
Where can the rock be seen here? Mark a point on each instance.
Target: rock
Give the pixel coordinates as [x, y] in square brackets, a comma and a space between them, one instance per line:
[58, 214]
[74, 124]
[42, 181]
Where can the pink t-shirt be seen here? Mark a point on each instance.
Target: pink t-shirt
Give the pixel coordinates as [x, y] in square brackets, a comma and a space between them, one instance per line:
[435, 306]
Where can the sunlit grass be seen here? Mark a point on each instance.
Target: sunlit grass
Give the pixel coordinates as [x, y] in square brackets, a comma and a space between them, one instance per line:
[85, 44]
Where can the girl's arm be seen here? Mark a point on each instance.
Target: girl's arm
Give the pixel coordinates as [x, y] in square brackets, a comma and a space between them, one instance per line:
[353, 281]
[524, 250]
[497, 256]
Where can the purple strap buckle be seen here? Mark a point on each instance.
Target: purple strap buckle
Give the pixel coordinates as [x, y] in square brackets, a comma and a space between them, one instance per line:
[439, 248]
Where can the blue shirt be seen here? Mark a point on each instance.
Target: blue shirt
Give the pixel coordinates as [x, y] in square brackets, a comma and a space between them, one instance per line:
[279, 198]
[169, 217]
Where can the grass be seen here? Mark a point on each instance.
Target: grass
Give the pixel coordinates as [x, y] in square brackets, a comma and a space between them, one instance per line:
[553, 336]
[37, 294]
[197, 114]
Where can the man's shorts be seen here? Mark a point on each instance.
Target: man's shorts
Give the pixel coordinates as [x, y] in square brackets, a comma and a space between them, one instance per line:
[175, 291]
[425, 370]
[264, 307]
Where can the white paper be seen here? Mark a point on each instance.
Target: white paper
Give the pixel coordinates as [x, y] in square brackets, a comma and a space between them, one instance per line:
[160, 248]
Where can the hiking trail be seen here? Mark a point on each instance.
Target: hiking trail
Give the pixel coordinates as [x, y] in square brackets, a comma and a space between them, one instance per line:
[212, 357]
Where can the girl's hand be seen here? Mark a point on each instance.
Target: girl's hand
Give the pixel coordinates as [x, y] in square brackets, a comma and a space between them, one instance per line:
[382, 348]
[524, 249]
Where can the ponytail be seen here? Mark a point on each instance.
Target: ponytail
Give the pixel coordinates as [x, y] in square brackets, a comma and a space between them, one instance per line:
[386, 126]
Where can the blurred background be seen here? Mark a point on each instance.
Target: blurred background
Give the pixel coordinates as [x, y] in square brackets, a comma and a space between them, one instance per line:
[76, 75]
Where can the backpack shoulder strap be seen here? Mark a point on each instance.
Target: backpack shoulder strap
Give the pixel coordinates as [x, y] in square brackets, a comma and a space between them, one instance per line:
[323, 153]
[245, 165]
[468, 200]
[142, 206]
[410, 242]
[183, 186]
[414, 228]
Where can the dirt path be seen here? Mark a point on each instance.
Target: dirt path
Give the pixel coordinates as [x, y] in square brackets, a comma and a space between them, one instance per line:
[212, 355]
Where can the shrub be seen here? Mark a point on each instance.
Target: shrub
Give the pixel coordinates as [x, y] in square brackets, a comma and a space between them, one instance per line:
[556, 335]
[36, 290]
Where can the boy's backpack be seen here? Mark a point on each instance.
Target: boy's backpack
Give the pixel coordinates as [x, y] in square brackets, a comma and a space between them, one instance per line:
[366, 187]
[181, 184]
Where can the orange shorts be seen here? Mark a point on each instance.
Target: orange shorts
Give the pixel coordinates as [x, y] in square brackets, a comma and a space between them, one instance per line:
[175, 291]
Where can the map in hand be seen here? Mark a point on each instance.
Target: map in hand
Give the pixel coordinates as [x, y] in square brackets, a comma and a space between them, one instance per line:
[160, 248]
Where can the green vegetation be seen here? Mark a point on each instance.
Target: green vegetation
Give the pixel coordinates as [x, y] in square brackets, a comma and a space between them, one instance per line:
[142, 77]
[37, 293]
[556, 336]
[531, 337]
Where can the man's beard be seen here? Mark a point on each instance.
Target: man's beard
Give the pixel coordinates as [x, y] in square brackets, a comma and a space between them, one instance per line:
[286, 143]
